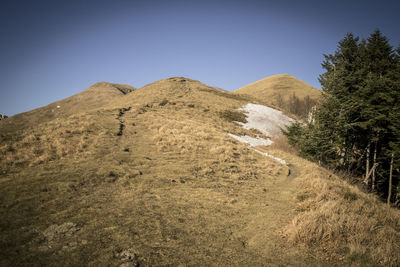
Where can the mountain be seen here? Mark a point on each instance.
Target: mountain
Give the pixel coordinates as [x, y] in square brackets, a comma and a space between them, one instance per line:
[165, 175]
[270, 89]
[94, 97]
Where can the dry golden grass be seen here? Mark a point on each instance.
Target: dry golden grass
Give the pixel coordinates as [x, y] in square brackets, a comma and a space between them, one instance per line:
[335, 220]
[94, 97]
[55, 140]
[267, 89]
[341, 223]
[281, 143]
[175, 189]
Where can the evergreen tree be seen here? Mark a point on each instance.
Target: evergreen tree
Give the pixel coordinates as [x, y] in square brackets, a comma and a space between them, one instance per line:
[357, 124]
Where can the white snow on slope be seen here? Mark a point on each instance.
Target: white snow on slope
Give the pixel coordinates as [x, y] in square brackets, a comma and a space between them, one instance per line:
[267, 120]
[251, 141]
[281, 161]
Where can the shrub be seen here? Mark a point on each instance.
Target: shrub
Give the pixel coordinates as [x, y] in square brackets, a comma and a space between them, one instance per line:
[164, 102]
[230, 115]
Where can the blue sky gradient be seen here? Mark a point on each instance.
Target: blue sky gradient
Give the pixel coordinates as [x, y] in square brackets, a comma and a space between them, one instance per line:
[50, 50]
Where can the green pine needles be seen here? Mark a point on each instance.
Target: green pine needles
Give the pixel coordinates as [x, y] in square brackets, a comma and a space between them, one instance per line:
[356, 126]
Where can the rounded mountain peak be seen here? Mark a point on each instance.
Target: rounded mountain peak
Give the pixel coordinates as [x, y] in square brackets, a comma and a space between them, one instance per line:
[122, 88]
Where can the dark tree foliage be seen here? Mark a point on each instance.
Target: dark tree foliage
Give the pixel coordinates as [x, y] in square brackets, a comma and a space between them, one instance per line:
[356, 127]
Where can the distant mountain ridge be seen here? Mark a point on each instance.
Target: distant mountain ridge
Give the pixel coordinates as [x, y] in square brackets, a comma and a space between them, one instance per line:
[267, 91]
[94, 97]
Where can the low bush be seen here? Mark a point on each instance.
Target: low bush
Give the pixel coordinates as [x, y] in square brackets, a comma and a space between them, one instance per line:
[231, 115]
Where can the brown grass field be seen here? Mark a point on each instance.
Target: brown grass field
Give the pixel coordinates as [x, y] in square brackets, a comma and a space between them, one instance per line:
[151, 178]
[268, 89]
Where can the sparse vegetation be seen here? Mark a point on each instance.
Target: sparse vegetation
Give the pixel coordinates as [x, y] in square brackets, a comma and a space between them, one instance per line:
[48, 142]
[339, 221]
[73, 193]
[233, 115]
[164, 102]
[301, 108]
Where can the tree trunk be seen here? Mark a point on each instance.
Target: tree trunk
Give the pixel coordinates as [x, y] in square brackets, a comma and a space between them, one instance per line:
[373, 173]
[390, 180]
[367, 167]
[370, 172]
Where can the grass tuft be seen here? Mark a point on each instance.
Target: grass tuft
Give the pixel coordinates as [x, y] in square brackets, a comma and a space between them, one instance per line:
[164, 102]
[233, 115]
[338, 219]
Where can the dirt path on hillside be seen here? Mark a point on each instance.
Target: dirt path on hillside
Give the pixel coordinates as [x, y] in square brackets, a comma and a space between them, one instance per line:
[134, 204]
[276, 209]
[187, 220]
[265, 230]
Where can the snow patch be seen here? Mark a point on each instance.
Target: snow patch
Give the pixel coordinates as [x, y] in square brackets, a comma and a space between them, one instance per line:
[251, 141]
[281, 161]
[267, 120]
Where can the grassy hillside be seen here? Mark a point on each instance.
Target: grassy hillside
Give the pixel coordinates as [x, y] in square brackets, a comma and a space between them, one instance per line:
[277, 90]
[152, 178]
[94, 97]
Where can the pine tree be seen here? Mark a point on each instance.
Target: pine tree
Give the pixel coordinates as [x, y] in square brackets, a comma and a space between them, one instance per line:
[378, 96]
[357, 123]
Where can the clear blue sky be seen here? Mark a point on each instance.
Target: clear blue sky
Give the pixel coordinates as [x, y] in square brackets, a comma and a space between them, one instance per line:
[53, 49]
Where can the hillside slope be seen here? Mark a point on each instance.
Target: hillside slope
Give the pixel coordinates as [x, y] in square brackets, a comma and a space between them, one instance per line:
[94, 97]
[270, 89]
[154, 178]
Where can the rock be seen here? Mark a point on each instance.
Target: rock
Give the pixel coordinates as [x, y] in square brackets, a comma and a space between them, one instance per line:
[65, 230]
[58, 237]
[128, 254]
[130, 258]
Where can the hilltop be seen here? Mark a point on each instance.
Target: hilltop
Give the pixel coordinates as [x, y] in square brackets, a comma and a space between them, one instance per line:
[164, 175]
[277, 90]
[94, 97]
[281, 83]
